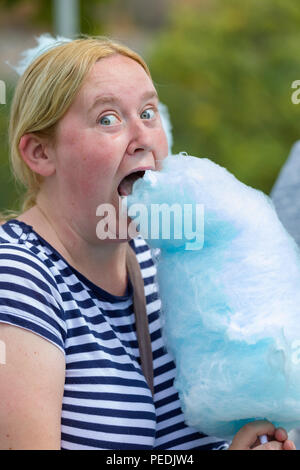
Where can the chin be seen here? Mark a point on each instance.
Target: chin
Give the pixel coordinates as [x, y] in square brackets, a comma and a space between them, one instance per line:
[115, 230]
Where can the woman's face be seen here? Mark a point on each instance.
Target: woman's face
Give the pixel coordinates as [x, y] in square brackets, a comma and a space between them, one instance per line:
[112, 129]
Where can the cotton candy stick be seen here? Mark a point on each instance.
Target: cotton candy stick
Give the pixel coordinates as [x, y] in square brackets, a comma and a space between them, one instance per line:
[263, 439]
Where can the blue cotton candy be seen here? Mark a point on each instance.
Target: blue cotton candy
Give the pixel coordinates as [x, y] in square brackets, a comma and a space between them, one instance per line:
[230, 300]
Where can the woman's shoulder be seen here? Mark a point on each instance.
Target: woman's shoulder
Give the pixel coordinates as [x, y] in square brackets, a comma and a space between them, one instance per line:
[21, 252]
[17, 237]
[29, 294]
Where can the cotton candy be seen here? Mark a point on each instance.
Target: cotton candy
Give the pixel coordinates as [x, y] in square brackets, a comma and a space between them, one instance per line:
[230, 296]
[45, 42]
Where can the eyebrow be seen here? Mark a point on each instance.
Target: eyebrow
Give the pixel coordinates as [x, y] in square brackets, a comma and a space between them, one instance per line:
[112, 99]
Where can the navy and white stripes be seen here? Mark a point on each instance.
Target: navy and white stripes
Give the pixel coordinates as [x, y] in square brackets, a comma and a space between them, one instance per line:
[107, 403]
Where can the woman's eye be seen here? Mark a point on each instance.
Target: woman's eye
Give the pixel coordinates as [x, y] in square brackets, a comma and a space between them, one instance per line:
[108, 120]
[148, 114]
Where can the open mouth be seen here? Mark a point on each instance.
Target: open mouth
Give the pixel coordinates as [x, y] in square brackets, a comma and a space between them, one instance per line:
[125, 187]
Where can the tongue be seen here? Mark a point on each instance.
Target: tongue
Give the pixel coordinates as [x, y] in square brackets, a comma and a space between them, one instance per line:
[125, 187]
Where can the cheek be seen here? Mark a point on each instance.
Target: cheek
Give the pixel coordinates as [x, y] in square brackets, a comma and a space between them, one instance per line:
[89, 157]
[162, 145]
[93, 169]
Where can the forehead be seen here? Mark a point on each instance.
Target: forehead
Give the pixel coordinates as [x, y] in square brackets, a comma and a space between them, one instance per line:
[116, 74]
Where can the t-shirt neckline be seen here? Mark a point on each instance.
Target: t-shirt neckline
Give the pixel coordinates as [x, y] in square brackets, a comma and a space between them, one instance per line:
[103, 294]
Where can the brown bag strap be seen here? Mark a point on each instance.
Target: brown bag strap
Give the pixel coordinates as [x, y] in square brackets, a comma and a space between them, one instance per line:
[141, 319]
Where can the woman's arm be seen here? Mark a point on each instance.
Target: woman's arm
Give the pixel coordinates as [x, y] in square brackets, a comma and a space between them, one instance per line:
[31, 391]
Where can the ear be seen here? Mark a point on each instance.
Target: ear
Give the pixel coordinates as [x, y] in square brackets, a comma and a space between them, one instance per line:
[36, 154]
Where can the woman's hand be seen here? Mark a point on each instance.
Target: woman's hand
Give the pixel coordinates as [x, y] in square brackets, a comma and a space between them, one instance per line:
[247, 438]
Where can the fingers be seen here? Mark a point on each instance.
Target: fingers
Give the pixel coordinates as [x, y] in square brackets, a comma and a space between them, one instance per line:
[289, 445]
[275, 445]
[248, 434]
[281, 434]
[272, 445]
[248, 437]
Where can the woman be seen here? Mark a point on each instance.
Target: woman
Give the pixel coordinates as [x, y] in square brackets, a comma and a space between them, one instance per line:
[84, 117]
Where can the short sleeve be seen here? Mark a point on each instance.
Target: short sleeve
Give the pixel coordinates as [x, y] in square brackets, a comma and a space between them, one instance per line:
[29, 297]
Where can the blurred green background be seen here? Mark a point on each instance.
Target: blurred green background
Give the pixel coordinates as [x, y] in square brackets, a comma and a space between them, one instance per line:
[223, 68]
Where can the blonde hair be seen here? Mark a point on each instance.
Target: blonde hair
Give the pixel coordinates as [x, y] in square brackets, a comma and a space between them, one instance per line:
[45, 92]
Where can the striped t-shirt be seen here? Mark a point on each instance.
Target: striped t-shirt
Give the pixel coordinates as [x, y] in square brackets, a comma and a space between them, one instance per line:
[106, 403]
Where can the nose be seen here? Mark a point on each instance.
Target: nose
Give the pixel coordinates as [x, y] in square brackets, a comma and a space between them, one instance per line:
[140, 140]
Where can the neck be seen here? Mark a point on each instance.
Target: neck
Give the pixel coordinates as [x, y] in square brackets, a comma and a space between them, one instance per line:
[102, 262]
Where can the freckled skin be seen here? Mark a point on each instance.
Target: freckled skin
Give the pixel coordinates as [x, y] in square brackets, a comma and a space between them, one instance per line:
[91, 159]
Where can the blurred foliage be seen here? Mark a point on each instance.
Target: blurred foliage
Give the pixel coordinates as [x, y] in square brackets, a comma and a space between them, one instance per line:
[42, 14]
[9, 192]
[225, 71]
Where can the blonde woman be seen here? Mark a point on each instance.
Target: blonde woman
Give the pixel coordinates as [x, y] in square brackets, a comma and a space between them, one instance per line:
[84, 125]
